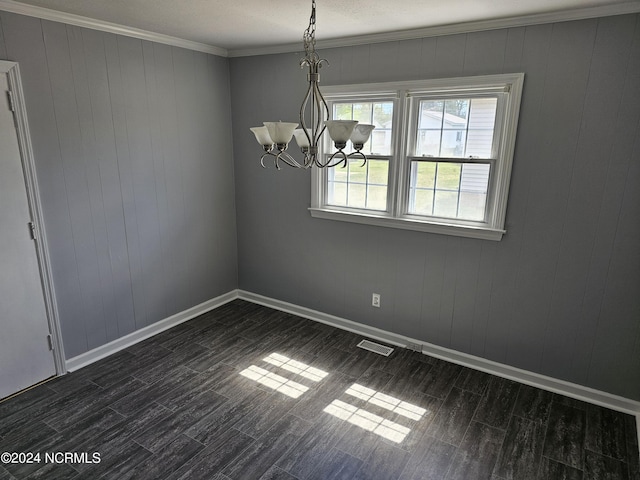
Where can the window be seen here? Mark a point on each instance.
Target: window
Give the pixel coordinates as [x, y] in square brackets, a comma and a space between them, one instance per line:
[439, 159]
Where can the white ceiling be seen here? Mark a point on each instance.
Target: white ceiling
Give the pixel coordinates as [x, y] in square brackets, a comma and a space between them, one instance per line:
[237, 26]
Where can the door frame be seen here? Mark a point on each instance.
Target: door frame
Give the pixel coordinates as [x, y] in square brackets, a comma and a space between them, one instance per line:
[12, 70]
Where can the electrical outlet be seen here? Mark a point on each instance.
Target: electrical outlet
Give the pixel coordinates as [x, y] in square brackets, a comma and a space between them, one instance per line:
[375, 300]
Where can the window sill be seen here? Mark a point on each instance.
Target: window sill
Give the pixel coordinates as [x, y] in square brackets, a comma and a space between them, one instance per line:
[482, 233]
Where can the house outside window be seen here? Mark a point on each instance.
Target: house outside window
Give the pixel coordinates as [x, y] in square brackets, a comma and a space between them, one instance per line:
[439, 159]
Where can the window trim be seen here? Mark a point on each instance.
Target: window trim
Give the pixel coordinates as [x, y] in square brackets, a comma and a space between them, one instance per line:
[406, 95]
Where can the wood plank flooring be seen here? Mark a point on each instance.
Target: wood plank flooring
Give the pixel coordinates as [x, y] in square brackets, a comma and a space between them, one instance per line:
[245, 392]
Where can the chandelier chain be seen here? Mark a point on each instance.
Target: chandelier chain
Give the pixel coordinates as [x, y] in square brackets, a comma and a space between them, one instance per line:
[315, 109]
[309, 37]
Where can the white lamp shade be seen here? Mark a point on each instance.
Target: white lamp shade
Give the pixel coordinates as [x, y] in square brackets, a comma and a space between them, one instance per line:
[361, 133]
[262, 135]
[301, 138]
[340, 130]
[280, 132]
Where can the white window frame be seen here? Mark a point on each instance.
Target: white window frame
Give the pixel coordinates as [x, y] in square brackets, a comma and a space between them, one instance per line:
[406, 96]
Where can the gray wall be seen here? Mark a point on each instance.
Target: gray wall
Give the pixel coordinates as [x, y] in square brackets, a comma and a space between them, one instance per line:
[133, 155]
[560, 294]
[136, 175]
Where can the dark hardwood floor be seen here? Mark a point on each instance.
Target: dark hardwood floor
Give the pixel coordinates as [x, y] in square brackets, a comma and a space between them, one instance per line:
[245, 392]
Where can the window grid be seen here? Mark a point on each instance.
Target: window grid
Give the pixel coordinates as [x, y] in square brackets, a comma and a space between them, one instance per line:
[368, 203]
[451, 119]
[446, 130]
[464, 189]
[367, 187]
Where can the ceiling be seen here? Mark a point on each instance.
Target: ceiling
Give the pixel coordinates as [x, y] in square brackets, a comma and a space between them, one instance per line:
[236, 27]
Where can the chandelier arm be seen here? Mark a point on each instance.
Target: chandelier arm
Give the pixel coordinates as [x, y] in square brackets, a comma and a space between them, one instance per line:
[313, 82]
[323, 111]
[359, 154]
[303, 107]
[268, 149]
[288, 159]
[281, 156]
[262, 159]
[317, 161]
[275, 160]
[308, 156]
[319, 109]
[343, 159]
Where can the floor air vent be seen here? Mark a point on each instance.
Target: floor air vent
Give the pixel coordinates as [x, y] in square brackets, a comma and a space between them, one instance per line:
[375, 347]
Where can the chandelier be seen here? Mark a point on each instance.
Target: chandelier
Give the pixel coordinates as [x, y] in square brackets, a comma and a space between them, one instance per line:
[275, 136]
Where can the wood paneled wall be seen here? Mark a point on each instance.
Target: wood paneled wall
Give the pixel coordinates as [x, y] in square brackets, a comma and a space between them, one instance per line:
[560, 294]
[134, 163]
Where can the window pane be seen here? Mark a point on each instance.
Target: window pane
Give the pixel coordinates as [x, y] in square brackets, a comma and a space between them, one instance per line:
[475, 177]
[448, 176]
[378, 171]
[422, 202]
[431, 114]
[337, 194]
[382, 115]
[343, 111]
[428, 143]
[377, 197]
[456, 128]
[362, 112]
[380, 143]
[445, 204]
[357, 195]
[337, 174]
[460, 190]
[455, 113]
[425, 174]
[453, 142]
[472, 206]
[357, 172]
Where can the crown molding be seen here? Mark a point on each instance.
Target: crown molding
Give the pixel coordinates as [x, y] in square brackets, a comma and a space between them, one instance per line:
[80, 21]
[457, 28]
[452, 29]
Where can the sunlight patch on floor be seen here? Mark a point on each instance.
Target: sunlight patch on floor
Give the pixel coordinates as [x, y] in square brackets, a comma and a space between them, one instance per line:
[271, 380]
[388, 402]
[299, 368]
[368, 421]
[280, 383]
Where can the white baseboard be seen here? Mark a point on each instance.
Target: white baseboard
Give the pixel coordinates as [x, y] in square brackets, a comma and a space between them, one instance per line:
[110, 348]
[562, 387]
[544, 382]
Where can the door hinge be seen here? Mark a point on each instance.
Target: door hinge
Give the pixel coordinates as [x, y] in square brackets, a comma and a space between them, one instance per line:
[12, 104]
[32, 230]
[50, 342]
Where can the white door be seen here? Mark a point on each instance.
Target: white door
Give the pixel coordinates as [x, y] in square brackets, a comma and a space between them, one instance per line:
[25, 355]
